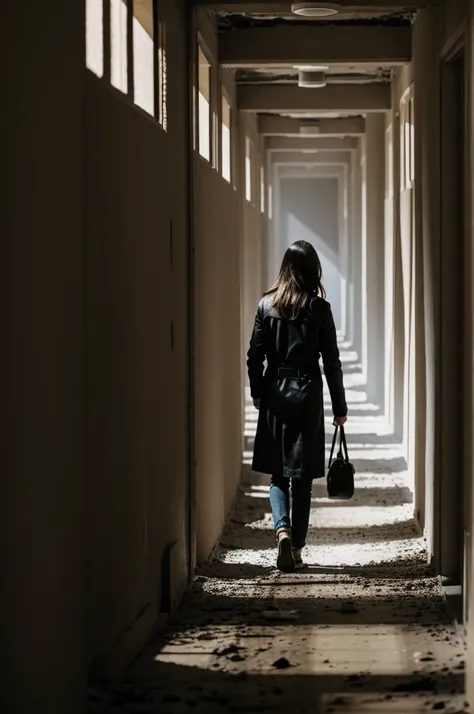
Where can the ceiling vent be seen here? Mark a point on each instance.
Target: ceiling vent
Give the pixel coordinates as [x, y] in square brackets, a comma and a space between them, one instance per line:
[309, 129]
[315, 9]
[311, 78]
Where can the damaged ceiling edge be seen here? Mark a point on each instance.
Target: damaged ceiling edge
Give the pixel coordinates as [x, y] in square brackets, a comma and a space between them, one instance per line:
[227, 21]
[262, 77]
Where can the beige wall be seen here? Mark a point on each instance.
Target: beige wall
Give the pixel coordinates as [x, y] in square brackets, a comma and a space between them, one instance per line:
[404, 233]
[375, 165]
[433, 31]
[218, 280]
[43, 369]
[355, 236]
[424, 302]
[96, 393]
[252, 227]
[136, 351]
[218, 351]
[399, 342]
[453, 14]
[427, 267]
[136, 398]
[410, 410]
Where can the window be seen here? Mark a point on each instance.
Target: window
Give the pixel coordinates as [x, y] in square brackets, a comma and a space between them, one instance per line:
[248, 169]
[118, 42]
[143, 59]
[412, 140]
[95, 37]
[137, 46]
[215, 139]
[406, 146]
[389, 163]
[226, 132]
[162, 76]
[262, 189]
[407, 141]
[204, 105]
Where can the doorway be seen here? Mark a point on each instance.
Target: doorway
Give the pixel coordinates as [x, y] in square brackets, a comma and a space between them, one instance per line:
[455, 450]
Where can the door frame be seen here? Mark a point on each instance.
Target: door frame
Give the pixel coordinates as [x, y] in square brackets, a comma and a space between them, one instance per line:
[450, 543]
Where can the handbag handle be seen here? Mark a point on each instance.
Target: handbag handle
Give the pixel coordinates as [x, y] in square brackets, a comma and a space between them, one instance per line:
[344, 443]
[342, 453]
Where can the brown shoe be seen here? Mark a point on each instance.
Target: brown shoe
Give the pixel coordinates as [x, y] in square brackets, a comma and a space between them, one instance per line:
[285, 560]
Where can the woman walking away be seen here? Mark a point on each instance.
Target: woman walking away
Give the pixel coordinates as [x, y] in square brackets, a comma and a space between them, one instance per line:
[294, 326]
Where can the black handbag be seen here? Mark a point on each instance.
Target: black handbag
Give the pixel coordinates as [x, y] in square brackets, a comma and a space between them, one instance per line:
[340, 479]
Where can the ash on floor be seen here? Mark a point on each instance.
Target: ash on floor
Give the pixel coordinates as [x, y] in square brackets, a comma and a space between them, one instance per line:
[363, 628]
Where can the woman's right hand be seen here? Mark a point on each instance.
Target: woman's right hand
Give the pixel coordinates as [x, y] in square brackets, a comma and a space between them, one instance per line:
[339, 421]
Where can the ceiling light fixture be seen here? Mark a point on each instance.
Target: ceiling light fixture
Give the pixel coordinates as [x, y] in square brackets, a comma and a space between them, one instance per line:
[311, 78]
[310, 129]
[315, 9]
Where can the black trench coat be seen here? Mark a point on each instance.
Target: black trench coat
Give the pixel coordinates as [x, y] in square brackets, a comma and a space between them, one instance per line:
[290, 432]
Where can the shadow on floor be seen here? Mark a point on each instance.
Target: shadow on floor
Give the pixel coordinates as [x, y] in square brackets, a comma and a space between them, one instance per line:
[396, 605]
[170, 687]
[406, 571]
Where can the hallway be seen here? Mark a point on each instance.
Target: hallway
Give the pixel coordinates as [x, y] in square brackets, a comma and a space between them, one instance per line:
[161, 156]
[364, 628]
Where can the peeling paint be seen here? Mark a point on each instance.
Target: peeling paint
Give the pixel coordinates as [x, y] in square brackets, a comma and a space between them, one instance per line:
[227, 21]
[272, 76]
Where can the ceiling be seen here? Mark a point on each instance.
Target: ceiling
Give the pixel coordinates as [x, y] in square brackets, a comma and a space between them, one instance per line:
[340, 73]
[320, 115]
[392, 15]
[234, 21]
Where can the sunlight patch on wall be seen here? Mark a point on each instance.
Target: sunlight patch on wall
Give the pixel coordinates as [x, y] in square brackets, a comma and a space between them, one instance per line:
[204, 105]
[143, 55]
[118, 39]
[94, 37]
[226, 147]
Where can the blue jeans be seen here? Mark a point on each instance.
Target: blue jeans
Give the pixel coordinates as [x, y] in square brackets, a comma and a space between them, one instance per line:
[301, 506]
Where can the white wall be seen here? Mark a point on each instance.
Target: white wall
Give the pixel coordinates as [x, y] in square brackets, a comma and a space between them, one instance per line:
[309, 210]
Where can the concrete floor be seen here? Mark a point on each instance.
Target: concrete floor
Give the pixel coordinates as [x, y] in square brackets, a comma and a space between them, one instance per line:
[364, 628]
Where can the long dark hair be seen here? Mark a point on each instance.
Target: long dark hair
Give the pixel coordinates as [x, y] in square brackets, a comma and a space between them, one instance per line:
[299, 281]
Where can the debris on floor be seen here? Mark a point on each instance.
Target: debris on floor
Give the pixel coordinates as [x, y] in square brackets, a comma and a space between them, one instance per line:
[363, 629]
